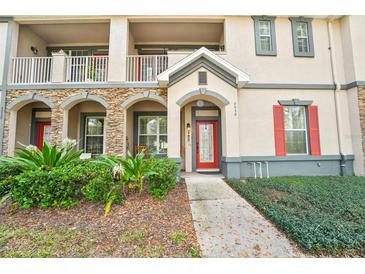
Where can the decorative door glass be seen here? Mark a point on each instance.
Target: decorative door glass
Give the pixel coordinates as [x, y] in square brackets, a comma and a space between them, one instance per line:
[206, 143]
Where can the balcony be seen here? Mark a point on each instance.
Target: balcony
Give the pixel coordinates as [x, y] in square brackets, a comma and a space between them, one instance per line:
[39, 70]
[145, 68]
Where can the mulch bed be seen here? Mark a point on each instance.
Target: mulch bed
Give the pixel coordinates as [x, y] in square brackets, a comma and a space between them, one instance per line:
[141, 227]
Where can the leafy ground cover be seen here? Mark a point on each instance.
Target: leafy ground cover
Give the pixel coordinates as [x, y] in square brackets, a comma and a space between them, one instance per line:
[141, 227]
[325, 215]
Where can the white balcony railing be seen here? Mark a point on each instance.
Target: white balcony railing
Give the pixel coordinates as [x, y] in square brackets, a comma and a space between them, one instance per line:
[145, 68]
[81, 69]
[31, 70]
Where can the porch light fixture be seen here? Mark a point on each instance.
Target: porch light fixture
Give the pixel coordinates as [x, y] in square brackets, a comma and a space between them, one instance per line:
[34, 50]
[188, 130]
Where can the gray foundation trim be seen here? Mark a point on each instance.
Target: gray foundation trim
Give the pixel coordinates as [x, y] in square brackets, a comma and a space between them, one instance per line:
[295, 102]
[86, 85]
[30, 97]
[156, 85]
[195, 118]
[294, 22]
[352, 85]
[85, 96]
[293, 165]
[4, 83]
[288, 86]
[208, 65]
[257, 20]
[143, 95]
[202, 91]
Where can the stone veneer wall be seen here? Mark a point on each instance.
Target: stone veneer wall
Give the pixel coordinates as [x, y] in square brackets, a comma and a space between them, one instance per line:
[115, 128]
[361, 98]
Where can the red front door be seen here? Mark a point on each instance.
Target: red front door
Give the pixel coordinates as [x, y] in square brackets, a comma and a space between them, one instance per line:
[207, 145]
[43, 133]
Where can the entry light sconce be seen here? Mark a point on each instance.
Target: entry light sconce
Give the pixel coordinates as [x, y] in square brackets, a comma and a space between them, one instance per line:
[188, 130]
[34, 50]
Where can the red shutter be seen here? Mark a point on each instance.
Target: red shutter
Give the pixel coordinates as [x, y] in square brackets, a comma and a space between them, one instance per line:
[315, 145]
[279, 131]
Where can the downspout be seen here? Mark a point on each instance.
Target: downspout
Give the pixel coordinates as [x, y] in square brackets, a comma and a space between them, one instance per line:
[4, 83]
[336, 93]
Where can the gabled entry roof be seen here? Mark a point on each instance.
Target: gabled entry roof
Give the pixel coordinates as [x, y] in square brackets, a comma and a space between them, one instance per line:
[207, 59]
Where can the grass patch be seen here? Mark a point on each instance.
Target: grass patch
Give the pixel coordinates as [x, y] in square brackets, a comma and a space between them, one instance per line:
[325, 215]
[49, 243]
[178, 237]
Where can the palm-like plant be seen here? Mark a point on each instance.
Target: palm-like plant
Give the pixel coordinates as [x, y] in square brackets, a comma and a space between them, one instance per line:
[30, 157]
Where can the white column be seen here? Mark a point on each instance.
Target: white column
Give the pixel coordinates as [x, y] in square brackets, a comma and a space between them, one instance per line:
[65, 124]
[230, 130]
[118, 49]
[12, 132]
[58, 67]
[173, 130]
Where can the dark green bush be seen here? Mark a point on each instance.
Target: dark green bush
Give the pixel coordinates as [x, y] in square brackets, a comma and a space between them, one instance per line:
[61, 186]
[46, 188]
[162, 176]
[323, 214]
[7, 174]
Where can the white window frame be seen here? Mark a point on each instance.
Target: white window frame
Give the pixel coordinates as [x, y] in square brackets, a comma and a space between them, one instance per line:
[303, 37]
[88, 135]
[157, 134]
[296, 130]
[265, 35]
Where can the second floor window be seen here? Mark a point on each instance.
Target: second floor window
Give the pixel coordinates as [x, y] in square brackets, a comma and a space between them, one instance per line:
[265, 35]
[265, 39]
[302, 37]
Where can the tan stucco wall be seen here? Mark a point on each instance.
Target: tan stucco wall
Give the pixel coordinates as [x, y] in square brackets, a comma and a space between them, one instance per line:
[3, 33]
[140, 106]
[283, 68]
[256, 120]
[28, 38]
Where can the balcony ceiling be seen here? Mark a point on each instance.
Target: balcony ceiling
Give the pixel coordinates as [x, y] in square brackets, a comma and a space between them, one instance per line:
[176, 32]
[59, 34]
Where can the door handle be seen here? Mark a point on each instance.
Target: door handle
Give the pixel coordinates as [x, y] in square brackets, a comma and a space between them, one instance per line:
[197, 146]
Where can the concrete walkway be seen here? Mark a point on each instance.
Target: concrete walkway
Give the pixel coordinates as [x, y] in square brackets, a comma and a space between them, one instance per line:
[228, 226]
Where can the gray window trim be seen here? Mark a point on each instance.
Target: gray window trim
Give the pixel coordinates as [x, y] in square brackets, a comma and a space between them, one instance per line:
[136, 115]
[83, 116]
[260, 52]
[295, 102]
[294, 21]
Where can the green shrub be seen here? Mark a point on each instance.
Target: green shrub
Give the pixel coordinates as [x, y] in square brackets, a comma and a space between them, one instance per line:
[7, 174]
[162, 176]
[323, 214]
[46, 188]
[31, 158]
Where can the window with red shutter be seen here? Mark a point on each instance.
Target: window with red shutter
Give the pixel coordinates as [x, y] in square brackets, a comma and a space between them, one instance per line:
[314, 140]
[279, 130]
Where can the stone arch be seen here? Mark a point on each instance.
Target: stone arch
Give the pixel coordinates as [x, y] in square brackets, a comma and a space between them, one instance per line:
[144, 96]
[21, 101]
[202, 91]
[75, 99]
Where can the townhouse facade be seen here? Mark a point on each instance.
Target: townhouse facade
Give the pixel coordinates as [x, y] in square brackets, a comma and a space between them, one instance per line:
[240, 95]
